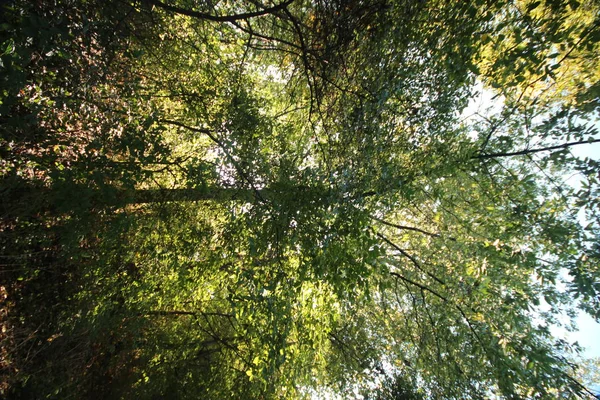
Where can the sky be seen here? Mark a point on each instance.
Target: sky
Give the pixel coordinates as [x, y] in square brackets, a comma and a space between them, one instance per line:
[587, 334]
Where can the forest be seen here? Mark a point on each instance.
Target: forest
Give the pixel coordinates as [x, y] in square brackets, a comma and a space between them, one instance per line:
[295, 199]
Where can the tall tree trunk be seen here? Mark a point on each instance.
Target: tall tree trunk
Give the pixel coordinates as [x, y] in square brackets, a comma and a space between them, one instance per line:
[23, 198]
[143, 196]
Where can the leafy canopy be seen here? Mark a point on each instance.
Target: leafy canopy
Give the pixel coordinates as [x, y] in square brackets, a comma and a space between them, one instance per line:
[283, 200]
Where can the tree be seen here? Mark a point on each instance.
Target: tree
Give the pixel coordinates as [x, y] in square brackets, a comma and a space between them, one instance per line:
[271, 200]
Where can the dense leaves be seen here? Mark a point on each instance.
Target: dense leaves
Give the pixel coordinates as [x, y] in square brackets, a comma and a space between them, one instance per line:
[289, 200]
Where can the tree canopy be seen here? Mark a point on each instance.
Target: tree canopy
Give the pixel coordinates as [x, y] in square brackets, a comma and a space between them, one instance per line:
[263, 199]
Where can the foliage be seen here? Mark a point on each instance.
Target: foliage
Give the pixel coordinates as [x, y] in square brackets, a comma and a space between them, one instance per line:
[281, 200]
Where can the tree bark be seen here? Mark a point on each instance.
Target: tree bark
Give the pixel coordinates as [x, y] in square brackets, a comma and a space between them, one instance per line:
[145, 196]
[31, 199]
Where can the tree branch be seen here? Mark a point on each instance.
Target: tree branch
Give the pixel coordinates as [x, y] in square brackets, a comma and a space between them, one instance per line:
[422, 287]
[220, 18]
[219, 143]
[403, 227]
[411, 258]
[445, 299]
[531, 151]
[180, 312]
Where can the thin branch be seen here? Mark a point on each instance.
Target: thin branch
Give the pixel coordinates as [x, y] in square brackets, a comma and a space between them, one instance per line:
[220, 18]
[345, 348]
[411, 258]
[180, 312]
[304, 54]
[403, 227]
[537, 150]
[212, 137]
[459, 308]
[267, 38]
[433, 326]
[420, 286]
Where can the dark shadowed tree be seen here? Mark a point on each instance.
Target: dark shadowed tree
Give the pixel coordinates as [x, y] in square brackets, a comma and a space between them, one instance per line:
[286, 199]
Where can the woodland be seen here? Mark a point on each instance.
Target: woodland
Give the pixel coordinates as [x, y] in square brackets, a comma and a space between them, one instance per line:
[290, 199]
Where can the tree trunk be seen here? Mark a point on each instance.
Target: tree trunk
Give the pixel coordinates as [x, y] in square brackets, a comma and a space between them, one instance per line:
[144, 196]
[23, 199]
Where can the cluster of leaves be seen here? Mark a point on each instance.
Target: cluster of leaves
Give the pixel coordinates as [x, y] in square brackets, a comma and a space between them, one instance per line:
[280, 200]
